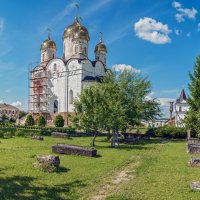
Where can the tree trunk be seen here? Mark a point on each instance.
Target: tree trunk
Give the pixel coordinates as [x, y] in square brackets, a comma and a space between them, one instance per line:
[93, 139]
[109, 135]
[114, 142]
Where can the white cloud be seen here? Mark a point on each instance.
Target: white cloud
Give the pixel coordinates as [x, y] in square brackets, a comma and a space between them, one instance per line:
[122, 67]
[1, 25]
[150, 96]
[179, 18]
[17, 104]
[176, 4]
[177, 32]
[164, 101]
[184, 12]
[150, 30]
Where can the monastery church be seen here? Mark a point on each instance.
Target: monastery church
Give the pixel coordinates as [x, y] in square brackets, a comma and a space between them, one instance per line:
[56, 82]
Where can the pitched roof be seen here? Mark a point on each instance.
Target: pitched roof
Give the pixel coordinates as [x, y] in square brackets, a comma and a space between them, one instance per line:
[182, 96]
[7, 107]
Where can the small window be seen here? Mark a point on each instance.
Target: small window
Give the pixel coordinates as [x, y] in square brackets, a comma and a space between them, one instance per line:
[76, 49]
[71, 97]
[54, 67]
[43, 57]
[180, 109]
[55, 105]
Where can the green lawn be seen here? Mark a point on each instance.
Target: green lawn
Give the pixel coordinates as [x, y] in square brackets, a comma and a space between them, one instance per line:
[156, 171]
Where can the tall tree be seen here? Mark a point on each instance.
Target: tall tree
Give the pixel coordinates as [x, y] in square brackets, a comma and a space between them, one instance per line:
[134, 89]
[99, 108]
[29, 120]
[116, 104]
[193, 115]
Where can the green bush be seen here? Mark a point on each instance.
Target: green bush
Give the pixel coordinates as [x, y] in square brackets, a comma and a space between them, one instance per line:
[20, 133]
[1, 134]
[8, 135]
[41, 121]
[168, 132]
[59, 121]
[29, 120]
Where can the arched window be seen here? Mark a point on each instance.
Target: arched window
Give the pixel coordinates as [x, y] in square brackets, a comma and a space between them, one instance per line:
[76, 49]
[43, 57]
[55, 106]
[71, 97]
[54, 67]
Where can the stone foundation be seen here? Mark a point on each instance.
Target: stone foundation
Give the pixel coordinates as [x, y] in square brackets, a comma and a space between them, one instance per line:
[195, 186]
[59, 135]
[49, 159]
[74, 150]
[194, 162]
[193, 148]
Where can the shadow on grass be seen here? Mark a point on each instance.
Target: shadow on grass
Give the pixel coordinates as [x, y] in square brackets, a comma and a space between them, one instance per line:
[22, 187]
[62, 170]
[141, 145]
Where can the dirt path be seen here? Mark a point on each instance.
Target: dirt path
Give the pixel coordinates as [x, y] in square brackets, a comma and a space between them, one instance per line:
[112, 185]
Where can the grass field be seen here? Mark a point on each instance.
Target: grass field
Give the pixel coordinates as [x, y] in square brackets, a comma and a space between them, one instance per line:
[147, 171]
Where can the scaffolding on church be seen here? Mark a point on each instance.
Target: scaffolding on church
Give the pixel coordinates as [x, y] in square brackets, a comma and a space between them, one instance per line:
[38, 92]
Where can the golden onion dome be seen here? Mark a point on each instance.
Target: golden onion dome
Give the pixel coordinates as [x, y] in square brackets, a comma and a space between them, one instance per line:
[76, 31]
[100, 47]
[48, 43]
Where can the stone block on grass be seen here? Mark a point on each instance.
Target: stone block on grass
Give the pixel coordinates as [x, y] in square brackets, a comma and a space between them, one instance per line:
[195, 186]
[74, 150]
[194, 162]
[47, 163]
[59, 135]
[193, 148]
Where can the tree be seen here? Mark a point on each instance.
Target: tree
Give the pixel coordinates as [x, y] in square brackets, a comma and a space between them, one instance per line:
[4, 118]
[59, 121]
[41, 121]
[115, 104]
[134, 90]
[99, 110]
[22, 114]
[192, 118]
[29, 120]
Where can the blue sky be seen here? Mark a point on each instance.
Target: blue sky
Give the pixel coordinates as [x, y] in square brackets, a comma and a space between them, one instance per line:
[158, 37]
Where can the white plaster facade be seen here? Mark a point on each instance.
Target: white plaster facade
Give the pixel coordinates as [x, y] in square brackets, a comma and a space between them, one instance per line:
[181, 107]
[56, 82]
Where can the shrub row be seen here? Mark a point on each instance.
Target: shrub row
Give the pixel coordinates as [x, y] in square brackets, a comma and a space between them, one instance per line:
[30, 131]
[8, 133]
[168, 132]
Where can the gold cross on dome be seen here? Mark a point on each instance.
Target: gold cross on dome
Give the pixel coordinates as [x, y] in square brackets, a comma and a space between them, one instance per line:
[49, 31]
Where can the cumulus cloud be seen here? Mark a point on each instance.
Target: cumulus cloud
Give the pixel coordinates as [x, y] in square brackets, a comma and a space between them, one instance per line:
[122, 67]
[150, 30]
[165, 101]
[184, 12]
[176, 4]
[17, 104]
[150, 96]
[177, 32]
